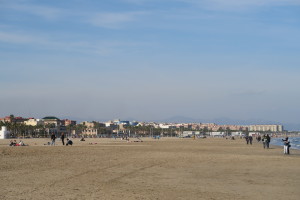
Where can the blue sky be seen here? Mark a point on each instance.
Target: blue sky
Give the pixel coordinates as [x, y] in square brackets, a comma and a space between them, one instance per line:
[151, 59]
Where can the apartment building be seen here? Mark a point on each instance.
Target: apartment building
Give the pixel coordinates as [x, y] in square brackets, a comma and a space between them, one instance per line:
[89, 132]
[34, 122]
[271, 128]
[52, 120]
[67, 122]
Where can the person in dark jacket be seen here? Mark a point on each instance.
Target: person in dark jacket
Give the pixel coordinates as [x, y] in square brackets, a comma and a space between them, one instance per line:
[250, 139]
[268, 140]
[53, 137]
[69, 142]
[259, 138]
[247, 139]
[62, 137]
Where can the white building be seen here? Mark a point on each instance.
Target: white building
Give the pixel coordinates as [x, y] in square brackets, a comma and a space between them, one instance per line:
[253, 134]
[271, 128]
[166, 126]
[217, 134]
[190, 133]
[90, 132]
[4, 133]
[237, 133]
[109, 124]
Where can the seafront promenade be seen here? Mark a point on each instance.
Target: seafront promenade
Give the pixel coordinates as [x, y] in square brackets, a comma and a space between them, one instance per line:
[169, 168]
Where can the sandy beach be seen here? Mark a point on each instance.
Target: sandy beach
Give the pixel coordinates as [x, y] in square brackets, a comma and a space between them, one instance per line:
[169, 168]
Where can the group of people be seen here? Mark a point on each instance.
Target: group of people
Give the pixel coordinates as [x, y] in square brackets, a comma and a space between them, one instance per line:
[266, 139]
[286, 145]
[15, 143]
[62, 137]
[249, 139]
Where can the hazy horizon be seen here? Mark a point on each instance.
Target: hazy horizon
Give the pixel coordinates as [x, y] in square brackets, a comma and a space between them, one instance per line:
[150, 59]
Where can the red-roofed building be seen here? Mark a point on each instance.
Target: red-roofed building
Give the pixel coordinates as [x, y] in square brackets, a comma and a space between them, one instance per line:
[67, 122]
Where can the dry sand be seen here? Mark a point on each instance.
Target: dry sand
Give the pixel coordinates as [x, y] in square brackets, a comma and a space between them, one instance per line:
[170, 168]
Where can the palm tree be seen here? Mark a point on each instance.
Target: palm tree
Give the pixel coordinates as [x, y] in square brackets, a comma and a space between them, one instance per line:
[12, 118]
[22, 130]
[69, 129]
[205, 130]
[228, 131]
[79, 128]
[221, 129]
[39, 129]
[49, 127]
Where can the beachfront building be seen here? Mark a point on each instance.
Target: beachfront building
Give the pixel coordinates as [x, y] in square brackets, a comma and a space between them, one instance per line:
[53, 125]
[93, 124]
[14, 119]
[209, 126]
[6, 119]
[89, 132]
[34, 122]
[52, 120]
[109, 124]
[67, 122]
[117, 122]
[254, 134]
[217, 134]
[124, 123]
[167, 126]
[134, 123]
[19, 120]
[188, 126]
[88, 124]
[216, 127]
[237, 133]
[190, 133]
[264, 128]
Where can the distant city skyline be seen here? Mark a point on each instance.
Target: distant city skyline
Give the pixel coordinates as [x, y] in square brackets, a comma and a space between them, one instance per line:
[150, 59]
[175, 119]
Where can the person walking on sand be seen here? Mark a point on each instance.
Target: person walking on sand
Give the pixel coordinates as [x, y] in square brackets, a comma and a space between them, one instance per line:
[62, 137]
[264, 140]
[250, 139]
[259, 138]
[286, 145]
[268, 140]
[247, 139]
[53, 137]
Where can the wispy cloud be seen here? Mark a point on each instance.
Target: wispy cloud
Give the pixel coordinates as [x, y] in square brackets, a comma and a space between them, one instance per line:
[113, 19]
[222, 2]
[103, 48]
[240, 4]
[138, 2]
[46, 12]
[15, 38]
